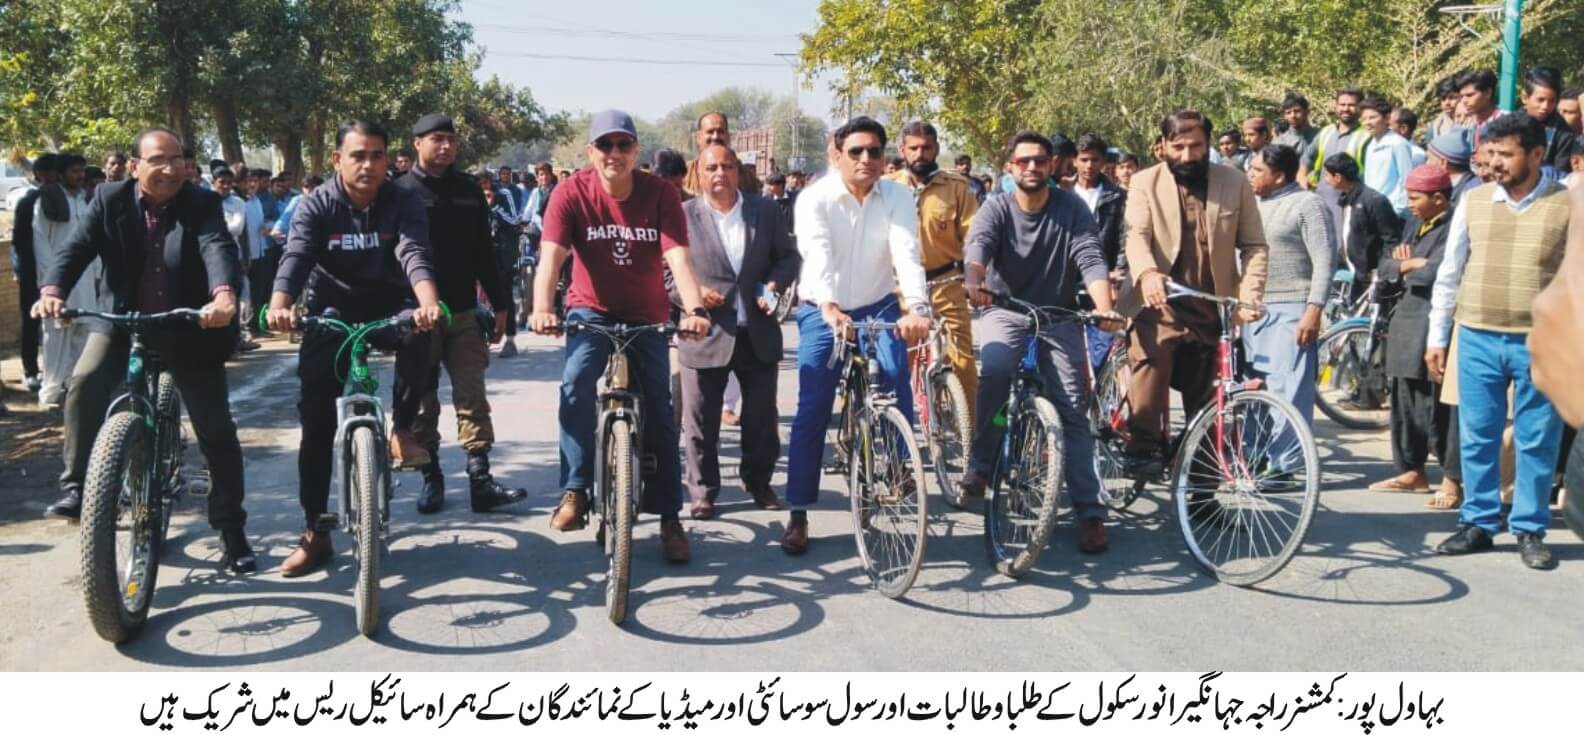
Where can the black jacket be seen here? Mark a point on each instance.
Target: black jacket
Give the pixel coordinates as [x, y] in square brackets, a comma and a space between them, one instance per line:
[1410, 321]
[200, 256]
[462, 250]
[1373, 227]
[26, 261]
[1109, 216]
[1559, 143]
[363, 262]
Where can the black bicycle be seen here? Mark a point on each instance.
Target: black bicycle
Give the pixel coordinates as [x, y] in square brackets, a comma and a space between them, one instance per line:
[133, 483]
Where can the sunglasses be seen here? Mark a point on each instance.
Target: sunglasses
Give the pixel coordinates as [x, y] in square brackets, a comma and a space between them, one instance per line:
[856, 153]
[1028, 161]
[625, 145]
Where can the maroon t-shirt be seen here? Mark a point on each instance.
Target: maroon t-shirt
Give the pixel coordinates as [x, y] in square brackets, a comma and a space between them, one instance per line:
[618, 269]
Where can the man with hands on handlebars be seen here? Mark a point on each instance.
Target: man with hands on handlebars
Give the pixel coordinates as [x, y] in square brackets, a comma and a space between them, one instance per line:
[365, 243]
[626, 227]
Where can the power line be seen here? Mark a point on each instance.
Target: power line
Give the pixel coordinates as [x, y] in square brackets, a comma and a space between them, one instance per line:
[631, 60]
[636, 35]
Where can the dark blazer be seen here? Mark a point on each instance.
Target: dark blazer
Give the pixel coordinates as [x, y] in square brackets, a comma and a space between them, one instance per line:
[769, 255]
[1373, 229]
[1410, 321]
[200, 255]
[1109, 215]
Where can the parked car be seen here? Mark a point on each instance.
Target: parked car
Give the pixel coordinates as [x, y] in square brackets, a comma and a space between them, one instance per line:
[14, 183]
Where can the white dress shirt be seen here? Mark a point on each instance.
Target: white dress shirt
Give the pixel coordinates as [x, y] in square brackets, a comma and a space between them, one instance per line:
[733, 234]
[857, 254]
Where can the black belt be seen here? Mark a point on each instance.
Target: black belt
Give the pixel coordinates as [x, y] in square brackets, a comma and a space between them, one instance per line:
[931, 275]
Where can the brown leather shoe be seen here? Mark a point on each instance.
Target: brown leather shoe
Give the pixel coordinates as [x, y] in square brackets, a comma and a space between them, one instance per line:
[730, 418]
[973, 484]
[674, 542]
[405, 451]
[764, 497]
[795, 541]
[572, 512]
[702, 509]
[312, 551]
[1092, 536]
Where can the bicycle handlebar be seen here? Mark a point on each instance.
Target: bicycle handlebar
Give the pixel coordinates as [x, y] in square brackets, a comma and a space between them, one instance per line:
[623, 330]
[945, 280]
[870, 326]
[133, 320]
[1178, 290]
[1082, 315]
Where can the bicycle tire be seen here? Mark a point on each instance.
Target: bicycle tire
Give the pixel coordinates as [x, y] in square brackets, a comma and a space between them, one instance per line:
[787, 306]
[950, 435]
[1332, 378]
[1250, 501]
[1108, 421]
[366, 492]
[1036, 439]
[117, 607]
[173, 443]
[876, 515]
[618, 516]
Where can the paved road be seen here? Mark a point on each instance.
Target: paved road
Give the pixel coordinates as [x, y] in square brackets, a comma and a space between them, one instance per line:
[503, 592]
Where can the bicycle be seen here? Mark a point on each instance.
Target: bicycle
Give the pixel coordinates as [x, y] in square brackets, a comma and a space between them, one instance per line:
[1351, 384]
[1026, 483]
[621, 462]
[876, 451]
[363, 476]
[1233, 474]
[1108, 423]
[787, 305]
[133, 482]
[1341, 303]
[524, 287]
[942, 406]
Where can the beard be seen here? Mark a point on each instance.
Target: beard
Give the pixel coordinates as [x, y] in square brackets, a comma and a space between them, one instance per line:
[1192, 172]
[922, 168]
[1030, 187]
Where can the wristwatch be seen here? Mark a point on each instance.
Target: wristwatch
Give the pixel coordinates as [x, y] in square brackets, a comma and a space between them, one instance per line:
[923, 310]
[700, 312]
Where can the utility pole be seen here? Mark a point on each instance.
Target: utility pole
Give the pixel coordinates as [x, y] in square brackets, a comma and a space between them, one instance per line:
[1512, 30]
[797, 114]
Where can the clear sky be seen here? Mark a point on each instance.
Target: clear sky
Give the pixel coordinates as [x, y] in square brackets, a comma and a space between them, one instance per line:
[635, 54]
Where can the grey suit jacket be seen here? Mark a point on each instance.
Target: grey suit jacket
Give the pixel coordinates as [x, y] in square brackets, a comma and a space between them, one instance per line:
[769, 256]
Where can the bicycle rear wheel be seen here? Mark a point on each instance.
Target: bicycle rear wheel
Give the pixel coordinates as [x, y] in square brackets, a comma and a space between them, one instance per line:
[366, 493]
[888, 500]
[949, 433]
[122, 528]
[1246, 483]
[616, 518]
[1022, 507]
[787, 306]
[1108, 421]
[1351, 381]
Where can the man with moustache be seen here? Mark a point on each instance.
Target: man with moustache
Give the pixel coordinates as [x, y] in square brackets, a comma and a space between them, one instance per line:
[712, 128]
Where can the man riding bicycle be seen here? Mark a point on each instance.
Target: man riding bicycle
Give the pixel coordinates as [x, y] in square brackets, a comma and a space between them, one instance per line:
[1038, 245]
[165, 245]
[365, 242]
[625, 227]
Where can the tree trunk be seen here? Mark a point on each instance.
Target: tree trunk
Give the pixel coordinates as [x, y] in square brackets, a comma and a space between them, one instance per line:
[316, 147]
[289, 145]
[228, 130]
[178, 117]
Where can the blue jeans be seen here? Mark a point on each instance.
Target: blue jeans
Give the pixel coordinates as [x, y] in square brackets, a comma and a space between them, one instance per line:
[650, 367]
[817, 391]
[1287, 369]
[1487, 363]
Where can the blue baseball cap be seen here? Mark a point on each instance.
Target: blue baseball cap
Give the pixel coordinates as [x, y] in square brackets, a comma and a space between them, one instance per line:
[611, 121]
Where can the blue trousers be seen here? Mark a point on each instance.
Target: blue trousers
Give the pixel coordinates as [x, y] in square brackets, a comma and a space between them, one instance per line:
[1488, 362]
[1288, 370]
[817, 391]
[650, 367]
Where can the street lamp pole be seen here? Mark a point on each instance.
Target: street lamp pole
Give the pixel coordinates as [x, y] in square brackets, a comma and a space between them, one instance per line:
[1512, 30]
[797, 112]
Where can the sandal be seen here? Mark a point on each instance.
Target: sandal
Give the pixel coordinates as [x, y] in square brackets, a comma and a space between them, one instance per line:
[1399, 485]
[1449, 497]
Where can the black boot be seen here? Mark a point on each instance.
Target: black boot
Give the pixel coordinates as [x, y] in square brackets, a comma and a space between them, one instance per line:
[483, 491]
[69, 505]
[238, 557]
[432, 497]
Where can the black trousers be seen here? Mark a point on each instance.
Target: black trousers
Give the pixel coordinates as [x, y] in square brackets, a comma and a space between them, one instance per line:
[322, 378]
[98, 377]
[702, 392]
[506, 259]
[31, 329]
[261, 278]
[1421, 424]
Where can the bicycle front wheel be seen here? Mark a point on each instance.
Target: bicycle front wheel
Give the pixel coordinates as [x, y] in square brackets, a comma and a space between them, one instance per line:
[1108, 421]
[1245, 484]
[616, 518]
[1023, 502]
[121, 529]
[367, 493]
[1351, 381]
[949, 434]
[172, 444]
[888, 500]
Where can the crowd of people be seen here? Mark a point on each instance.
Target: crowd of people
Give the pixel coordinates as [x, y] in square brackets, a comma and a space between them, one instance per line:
[1466, 222]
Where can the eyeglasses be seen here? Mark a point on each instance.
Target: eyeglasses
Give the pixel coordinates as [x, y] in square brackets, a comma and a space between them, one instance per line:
[1028, 161]
[857, 152]
[625, 145]
[162, 162]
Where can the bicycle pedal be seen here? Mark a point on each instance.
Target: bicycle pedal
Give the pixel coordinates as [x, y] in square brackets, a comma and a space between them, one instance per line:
[329, 520]
[836, 468]
[196, 484]
[648, 464]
